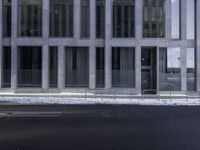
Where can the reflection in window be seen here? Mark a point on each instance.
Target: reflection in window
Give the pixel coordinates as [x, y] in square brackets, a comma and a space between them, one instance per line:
[100, 69]
[123, 67]
[76, 67]
[175, 19]
[154, 18]
[53, 67]
[85, 18]
[100, 18]
[123, 18]
[30, 18]
[29, 67]
[6, 79]
[190, 69]
[170, 69]
[6, 18]
[61, 18]
[190, 19]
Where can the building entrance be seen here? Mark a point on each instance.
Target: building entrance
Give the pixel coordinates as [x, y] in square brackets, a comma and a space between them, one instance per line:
[149, 70]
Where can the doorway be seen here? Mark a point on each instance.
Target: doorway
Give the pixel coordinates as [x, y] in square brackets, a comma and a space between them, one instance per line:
[149, 70]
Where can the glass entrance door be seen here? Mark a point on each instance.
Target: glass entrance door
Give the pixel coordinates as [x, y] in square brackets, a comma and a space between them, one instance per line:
[149, 70]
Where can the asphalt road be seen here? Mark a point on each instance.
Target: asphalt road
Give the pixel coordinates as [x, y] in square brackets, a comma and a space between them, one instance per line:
[99, 128]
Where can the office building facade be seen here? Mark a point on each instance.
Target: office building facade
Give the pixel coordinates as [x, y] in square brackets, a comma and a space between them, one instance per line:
[108, 45]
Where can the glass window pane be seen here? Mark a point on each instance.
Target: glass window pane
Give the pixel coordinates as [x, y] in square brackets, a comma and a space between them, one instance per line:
[170, 69]
[175, 19]
[85, 18]
[6, 18]
[154, 18]
[61, 18]
[100, 18]
[76, 67]
[100, 67]
[191, 69]
[123, 67]
[30, 18]
[53, 67]
[6, 76]
[29, 67]
[123, 18]
[190, 19]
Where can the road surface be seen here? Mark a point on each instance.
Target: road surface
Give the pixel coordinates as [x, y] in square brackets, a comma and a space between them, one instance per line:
[102, 127]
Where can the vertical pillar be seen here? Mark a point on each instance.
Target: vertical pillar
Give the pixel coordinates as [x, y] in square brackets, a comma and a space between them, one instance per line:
[183, 49]
[198, 45]
[138, 69]
[45, 67]
[168, 30]
[45, 48]
[138, 35]
[92, 50]
[14, 50]
[108, 57]
[1, 45]
[183, 69]
[77, 9]
[61, 67]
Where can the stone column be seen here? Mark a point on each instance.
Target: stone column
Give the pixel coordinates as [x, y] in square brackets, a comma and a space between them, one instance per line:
[45, 48]
[183, 69]
[108, 56]
[61, 67]
[45, 67]
[1, 46]
[183, 49]
[198, 45]
[77, 8]
[92, 49]
[138, 35]
[14, 49]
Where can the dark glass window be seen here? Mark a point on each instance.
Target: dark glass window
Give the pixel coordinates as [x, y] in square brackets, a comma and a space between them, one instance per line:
[6, 76]
[123, 67]
[123, 18]
[6, 18]
[85, 18]
[100, 67]
[53, 67]
[29, 67]
[30, 18]
[154, 18]
[61, 18]
[76, 67]
[100, 18]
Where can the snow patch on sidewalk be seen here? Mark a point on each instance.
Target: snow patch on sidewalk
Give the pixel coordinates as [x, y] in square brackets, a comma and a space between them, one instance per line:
[93, 101]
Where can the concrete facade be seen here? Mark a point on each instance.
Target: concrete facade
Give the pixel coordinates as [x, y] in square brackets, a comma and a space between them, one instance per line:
[138, 42]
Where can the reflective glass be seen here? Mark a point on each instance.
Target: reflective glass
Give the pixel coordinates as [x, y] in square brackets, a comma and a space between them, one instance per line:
[30, 18]
[100, 67]
[61, 18]
[100, 18]
[123, 67]
[170, 69]
[190, 19]
[85, 18]
[29, 66]
[154, 18]
[76, 67]
[123, 18]
[6, 18]
[175, 19]
[191, 69]
[53, 67]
